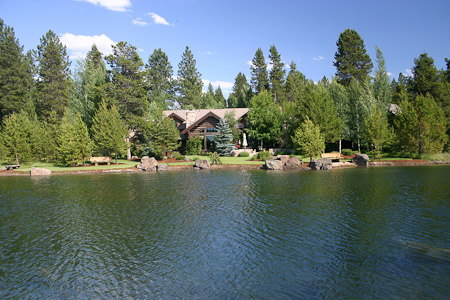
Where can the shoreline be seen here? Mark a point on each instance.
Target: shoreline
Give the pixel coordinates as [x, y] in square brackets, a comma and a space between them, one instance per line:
[336, 165]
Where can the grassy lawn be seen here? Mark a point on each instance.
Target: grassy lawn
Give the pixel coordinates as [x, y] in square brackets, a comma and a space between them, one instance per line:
[225, 160]
[122, 163]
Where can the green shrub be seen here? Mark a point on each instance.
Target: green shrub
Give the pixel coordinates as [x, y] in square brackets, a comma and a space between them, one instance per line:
[194, 145]
[244, 154]
[180, 157]
[264, 155]
[214, 158]
[254, 157]
[347, 152]
[175, 154]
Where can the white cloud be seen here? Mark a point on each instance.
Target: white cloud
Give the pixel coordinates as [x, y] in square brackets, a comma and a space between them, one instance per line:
[408, 72]
[225, 86]
[140, 50]
[139, 22]
[318, 58]
[287, 66]
[157, 19]
[208, 53]
[115, 5]
[79, 45]
[250, 63]
[389, 74]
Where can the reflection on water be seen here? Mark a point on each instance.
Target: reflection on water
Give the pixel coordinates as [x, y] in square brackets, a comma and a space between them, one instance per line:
[349, 234]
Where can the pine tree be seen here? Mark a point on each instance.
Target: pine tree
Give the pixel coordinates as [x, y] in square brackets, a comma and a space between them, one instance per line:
[340, 98]
[308, 139]
[126, 90]
[239, 96]
[16, 138]
[208, 99]
[264, 122]
[276, 74]
[74, 142]
[165, 136]
[108, 131]
[159, 82]
[224, 138]
[15, 81]
[351, 58]
[425, 76]
[53, 84]
[295, 83]
[382, 88]
[220, 99]
[321, 110]
[258, 68]
[189, 81]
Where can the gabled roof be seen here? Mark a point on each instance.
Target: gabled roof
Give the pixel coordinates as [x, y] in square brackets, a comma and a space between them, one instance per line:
[174, 115]
[181, 113]
[210, 114]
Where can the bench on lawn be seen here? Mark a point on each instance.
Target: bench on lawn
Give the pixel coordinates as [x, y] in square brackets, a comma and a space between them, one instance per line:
[12, 167]
[332, 156]
[100, 160]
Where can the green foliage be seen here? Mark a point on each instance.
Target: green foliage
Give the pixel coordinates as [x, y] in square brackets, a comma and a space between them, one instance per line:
[347, 152]
[214, 158]
[15, 81]
[160, 84]
[276, 75]
[258, 68]
[164, 135]
[181, 157]
[126, 89]
[53, 84]
[224, 138]
[378, 132]
[190, 84]
[241, 95]
[420, 126]
[263, 118]
[73, 140]
[341, 100]
[351, 58]
[264, 155]
[382, 86]
[244, 154]
[108, 131]
[194, 145]
[308, 139]
[425, 76]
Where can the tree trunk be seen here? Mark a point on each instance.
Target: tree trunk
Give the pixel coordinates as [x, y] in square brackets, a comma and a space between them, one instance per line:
[340, 146]
[128, 150]
[116, 157]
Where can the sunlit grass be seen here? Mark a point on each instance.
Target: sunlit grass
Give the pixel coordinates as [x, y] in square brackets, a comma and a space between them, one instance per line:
[121, 164]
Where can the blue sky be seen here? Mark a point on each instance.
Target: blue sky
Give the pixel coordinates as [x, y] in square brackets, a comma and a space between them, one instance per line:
[224, 35]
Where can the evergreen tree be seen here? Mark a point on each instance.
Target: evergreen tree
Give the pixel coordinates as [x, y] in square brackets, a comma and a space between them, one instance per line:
[308, 139]
[126, 90]
[264, 122]
[230, 116]
[421, 126]
[74, 142]
[15, 81]
[258, 68]
[16, 138]
[276, 74]
[53, 84]
[351, 58]
[358, 111]
[382, 88]
[165, 135]
[189, 81]
[295, 83]
[239, 96]
[159, 81]
[425, 76]
[220, 99]
[224, 138]
[378, 133]
[90, 78]
[208, 99]
[321, 110]
[109, 131]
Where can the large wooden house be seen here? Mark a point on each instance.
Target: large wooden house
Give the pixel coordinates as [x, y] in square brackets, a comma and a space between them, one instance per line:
[203, 122]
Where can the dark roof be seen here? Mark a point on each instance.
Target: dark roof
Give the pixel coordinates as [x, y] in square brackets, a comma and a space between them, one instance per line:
[210, 114]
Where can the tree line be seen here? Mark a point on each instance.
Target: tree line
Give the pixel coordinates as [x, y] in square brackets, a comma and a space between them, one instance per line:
[49, 114]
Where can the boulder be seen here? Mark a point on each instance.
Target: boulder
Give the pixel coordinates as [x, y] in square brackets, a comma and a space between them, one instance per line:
[293, 163]
[321, 164]
[148, 164]
[201, 164]
[162, 167]
[273, 164]
[283, 158]
[361, 160]
[40, 172]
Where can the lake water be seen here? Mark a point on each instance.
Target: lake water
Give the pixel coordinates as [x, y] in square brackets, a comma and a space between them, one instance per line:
[364, 233]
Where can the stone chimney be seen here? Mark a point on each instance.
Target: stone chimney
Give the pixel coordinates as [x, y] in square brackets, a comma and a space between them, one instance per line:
[191, 117]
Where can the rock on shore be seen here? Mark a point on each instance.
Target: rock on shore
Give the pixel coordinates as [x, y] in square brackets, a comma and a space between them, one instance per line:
[40, 172]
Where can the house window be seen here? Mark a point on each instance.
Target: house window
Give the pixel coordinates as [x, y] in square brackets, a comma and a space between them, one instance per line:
[201, 130]
[211, 130]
